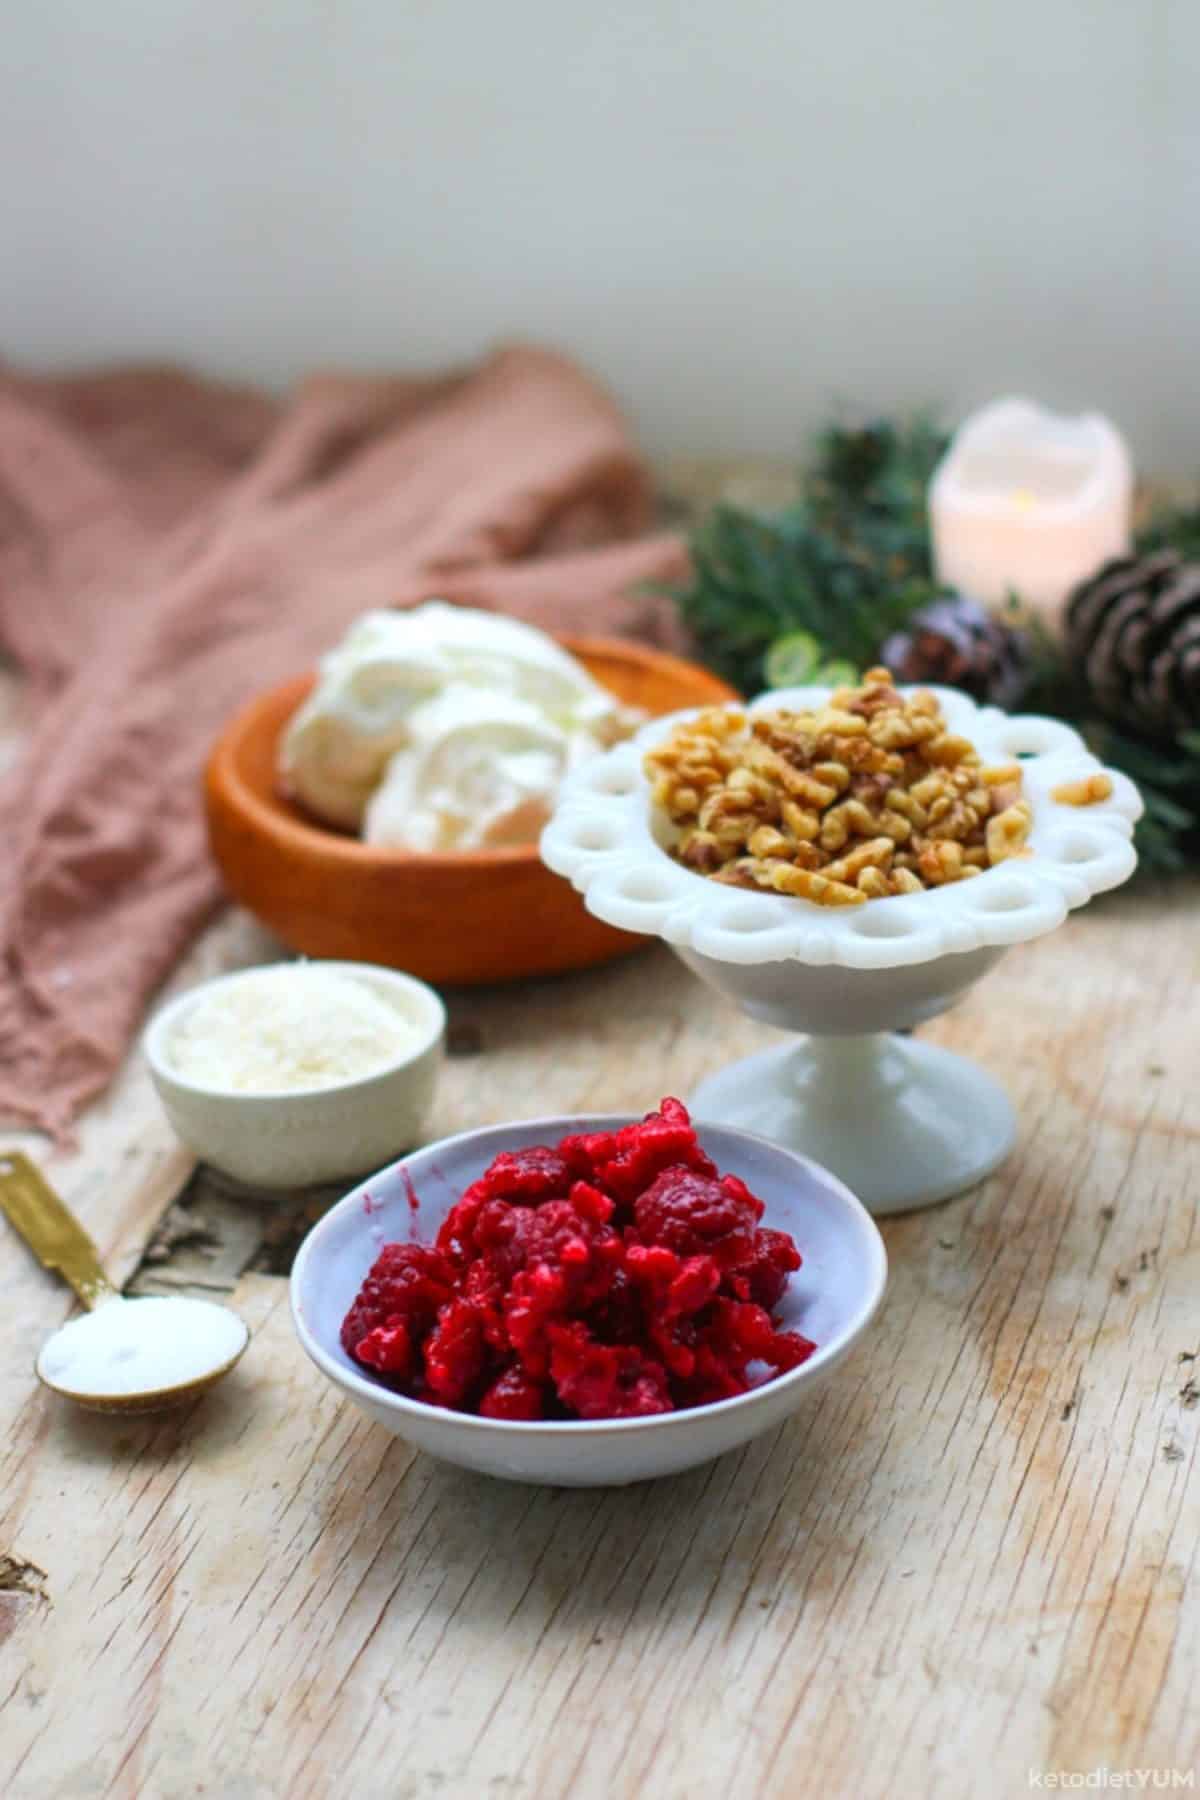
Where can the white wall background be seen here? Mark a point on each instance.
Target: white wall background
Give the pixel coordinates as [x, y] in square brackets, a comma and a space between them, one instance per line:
[738, 211]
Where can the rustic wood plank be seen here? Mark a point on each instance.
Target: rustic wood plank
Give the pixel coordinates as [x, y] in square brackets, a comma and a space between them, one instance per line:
[977, 1544]
[973, 1555]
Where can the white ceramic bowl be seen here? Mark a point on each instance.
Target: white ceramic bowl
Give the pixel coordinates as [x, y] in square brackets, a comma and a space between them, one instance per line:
[297, 1138]
[831, 1299]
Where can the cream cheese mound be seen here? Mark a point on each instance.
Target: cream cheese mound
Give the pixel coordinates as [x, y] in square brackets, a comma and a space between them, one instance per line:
[287, 1029]
[444, 728]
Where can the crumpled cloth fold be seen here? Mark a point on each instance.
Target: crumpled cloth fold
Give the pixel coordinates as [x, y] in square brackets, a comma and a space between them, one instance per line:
[168, 548]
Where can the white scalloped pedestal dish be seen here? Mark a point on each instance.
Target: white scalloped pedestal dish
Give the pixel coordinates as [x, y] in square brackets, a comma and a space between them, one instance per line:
[902, 1123]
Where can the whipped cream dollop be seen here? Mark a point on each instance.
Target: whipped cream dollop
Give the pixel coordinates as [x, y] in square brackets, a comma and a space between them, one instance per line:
[445, 728]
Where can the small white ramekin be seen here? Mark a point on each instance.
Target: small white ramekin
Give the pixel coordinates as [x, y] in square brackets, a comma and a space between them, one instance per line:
[300, 1138]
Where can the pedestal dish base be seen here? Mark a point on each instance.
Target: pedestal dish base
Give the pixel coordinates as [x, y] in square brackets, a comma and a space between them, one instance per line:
[903, 1123]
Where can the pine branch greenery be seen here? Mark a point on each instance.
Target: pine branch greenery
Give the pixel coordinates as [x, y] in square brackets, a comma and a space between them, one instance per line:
[847, 563]
[1168, 775]
[1174, 526]
[823, 583]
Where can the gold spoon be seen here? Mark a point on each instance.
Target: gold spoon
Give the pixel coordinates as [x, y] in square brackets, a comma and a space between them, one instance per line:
[124, 1356]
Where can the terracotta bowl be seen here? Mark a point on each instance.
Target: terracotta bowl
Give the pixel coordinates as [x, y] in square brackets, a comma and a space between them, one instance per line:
[462, 918]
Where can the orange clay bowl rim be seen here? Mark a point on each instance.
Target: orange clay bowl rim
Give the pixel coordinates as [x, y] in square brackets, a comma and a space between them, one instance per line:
[309, 835]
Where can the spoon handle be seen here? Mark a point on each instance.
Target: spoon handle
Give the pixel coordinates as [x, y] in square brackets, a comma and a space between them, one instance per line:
[52, 1232]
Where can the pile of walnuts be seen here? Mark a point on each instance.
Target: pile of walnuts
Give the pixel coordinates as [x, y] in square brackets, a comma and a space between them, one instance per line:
[870, 796]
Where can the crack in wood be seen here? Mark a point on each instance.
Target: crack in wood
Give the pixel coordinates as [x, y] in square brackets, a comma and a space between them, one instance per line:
[20, 1576]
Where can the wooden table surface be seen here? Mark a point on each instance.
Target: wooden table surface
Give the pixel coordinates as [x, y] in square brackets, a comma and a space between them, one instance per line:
[967, 1564]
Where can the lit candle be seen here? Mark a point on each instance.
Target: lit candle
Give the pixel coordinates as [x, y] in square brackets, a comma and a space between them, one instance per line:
[1027, 501]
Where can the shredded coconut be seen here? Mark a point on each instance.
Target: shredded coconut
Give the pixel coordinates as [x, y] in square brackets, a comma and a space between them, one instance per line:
[301, 1026]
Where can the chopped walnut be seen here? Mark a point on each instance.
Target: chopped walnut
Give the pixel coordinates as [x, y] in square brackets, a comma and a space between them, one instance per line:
[874, 884]
[877, 853]
[1087, 791]
[941, 862]
[869, 797]
[1007, 832]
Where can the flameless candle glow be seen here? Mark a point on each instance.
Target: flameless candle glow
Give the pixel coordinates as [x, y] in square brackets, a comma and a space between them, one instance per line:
[1029, 501]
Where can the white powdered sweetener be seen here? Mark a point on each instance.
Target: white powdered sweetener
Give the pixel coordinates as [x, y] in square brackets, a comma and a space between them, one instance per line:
[145, 1346]
[287, 1029]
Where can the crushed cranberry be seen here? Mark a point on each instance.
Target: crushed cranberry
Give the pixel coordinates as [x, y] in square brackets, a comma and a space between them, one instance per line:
[514, 1395]
[615, 1275]
[539, 1173]
[389, 1349]
[605, 1381]
[763, 1276]
[408, 1285]
[694, 1214]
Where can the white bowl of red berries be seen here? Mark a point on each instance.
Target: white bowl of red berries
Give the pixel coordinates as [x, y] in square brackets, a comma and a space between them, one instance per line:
[588, 1301]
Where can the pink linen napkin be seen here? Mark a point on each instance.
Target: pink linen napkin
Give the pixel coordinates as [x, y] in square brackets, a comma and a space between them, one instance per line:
[169, 547]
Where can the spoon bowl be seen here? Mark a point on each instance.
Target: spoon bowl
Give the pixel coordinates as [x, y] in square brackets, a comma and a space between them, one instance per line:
[128, 1343]
[120, 1356]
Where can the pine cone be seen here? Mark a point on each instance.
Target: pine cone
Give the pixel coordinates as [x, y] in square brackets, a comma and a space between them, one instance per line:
[956, 642]
[1133, 630]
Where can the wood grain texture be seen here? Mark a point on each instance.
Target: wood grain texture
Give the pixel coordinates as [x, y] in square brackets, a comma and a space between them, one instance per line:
[973, 1555]
[970, 1556]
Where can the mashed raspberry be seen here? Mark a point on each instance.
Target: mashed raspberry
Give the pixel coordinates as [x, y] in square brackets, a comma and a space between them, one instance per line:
[611, 1276]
